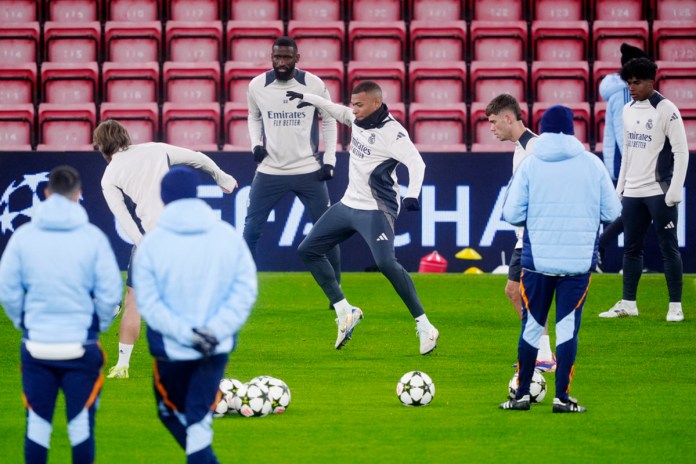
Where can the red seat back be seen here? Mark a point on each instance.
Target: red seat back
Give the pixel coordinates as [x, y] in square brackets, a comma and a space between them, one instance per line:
[141, 120]
[73, 10]
[437, 83]
[375, 10]
[443, 41]
[377, 41]
[133, 42]
[192, 126]
[19, 42]
[19, 11]
[437, 10]
[76, 42]
[318, 42]
[316, 10]
[194, 10]
[191, 82]
[252, 40]
[130, 82]
[16, 126]
[69, 83]
[499, 41]
[390, 76]
[17, 83]
[194, 41]
[66, 126]
[134, 10]
[254, 10]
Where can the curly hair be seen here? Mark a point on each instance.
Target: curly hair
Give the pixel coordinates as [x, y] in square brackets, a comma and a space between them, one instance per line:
[639, 68]
[110, 136]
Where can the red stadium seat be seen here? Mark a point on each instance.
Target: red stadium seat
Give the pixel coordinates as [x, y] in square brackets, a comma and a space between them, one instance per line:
[331, 73]
[688, 114]
[600, 69]
[390, 76]
[19, 11]
[134, 10]
[193, 41]
[438, 41]
[17, 83]
[437, 10]
[322, 41]
[559, 41]
[236, 129]
[69, 83]
[499, 41]
[618, 10]
[498, 10]
[16, 127]
[238, 74]
[138, 42]
[377, 41]
[438, 127]
[194, 126]
[252, 40]
[581, 118]
[66, 127]
[676, 10]
[375, 10]
[609, 35]
[674, 40]
[437, 82]
[483, 138]
[490, 79]
[558, 10]
[600, 111]
[398, 110]
[141, 120]
[73, 10]
[315, 10]
[130, 82]
[562, 83]
[194, 10]
[19, 42]
[254, 10]
[677, 81]
[191, 82]
[76, 42]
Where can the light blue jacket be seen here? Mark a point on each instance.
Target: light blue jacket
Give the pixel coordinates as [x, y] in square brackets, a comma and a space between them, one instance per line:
[59, 280]
[192, 271]
[560, 194]
[614, 91]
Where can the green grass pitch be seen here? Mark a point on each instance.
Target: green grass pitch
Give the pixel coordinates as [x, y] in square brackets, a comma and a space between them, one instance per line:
[636, 376]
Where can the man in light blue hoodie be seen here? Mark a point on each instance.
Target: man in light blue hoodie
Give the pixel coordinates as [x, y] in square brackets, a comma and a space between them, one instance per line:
[195, 284]
[59, 284]
[560, 195]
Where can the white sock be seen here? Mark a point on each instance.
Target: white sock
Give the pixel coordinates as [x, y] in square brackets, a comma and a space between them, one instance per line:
[675, 306]
[343, 308]
[545, 353]
[124, 354]
[422, 322]
[629, 304]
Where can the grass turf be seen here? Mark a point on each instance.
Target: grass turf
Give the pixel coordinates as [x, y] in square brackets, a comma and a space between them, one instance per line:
[636, 376]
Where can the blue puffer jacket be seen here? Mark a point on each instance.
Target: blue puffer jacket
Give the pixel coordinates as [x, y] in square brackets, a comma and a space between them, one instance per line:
[614, 91]
[560, 194]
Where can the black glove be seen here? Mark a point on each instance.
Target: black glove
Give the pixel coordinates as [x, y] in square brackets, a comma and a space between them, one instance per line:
[327, 172]
[293, 95]
[204, 341]
[411, 204]
[259, 153]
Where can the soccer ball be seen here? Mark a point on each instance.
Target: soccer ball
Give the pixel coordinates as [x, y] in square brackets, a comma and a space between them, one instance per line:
[229, 389]
[252, 400]
[537, 389]
[415, 388]
[279, 393]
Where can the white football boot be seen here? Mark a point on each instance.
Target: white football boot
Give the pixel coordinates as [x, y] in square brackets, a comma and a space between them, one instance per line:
[428, 339]
[620, 309]
[675, 313]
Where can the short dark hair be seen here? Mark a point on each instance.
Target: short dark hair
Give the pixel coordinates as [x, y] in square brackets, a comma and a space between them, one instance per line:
[111, 136]
[503, 102]
[367, 87]
[64, 180]
[639, 68]
[285, 41]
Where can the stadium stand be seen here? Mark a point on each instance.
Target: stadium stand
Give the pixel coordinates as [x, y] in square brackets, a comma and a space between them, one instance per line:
[391, 76]
[498, 41]
[136, 42]
[238, 74]
[436, 10]
[677, 81]
[131, 82]
[375, 10]
[377, 41]
[191, 82]
[140, 119]
[439, 127]
[66, 127]
[19, 11]
[560, 40]
[318, 41]
[16, 126]
[17, 83]
[438, 41]
[254, 10]
[138, 11]
[315, 10]
[193, 41]
[194, 126]
[489, 79]
[252, 40]
[607, 37]
[674, 40]
[69, 83]
[437, 82]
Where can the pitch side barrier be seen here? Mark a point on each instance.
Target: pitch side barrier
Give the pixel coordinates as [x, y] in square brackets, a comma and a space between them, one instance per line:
[461, 204]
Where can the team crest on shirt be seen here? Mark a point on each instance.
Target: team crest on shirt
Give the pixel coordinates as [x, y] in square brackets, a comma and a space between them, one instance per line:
[649, 124]
[371, 139]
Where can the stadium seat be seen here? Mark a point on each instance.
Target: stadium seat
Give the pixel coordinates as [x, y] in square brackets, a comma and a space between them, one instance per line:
[674, 40]
[69, 83]
[194, 126]
[331, 73]
[559, 40]
[437, 10]
[375, 10]
[600, 111]
[599, 70]
[618, 10]
[193, 10]
[676, 10]
[438, 41]
[66, 127]
[437, 82]
[130, 82]
[134, 10]
[191, 82]
[16, 127]
[499, 41]
[315, 10]
[137, 42]
[377, 41]
[76, 42]
[438, 127]
[483, 139]
[677, 81]
[19, 11]
[17, 83]
[318, 41]
[688, 114]
[581, 118]
[398, 110]
[498, 10]
[390, 76]
[193, 41]
[609, 35]
[254, 10]
[252, 40]
[238, 74]
[489, 80]
[236, 129]
[140, 119]
[19, 42]
[73, 10]
[558, 10]
[560, 82]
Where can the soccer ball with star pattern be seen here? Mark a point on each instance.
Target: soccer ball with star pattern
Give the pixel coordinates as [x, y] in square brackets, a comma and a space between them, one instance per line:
[415, 388]
[253, 400]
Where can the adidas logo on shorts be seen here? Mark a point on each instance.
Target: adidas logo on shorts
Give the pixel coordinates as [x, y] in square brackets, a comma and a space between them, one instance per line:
[382, 237]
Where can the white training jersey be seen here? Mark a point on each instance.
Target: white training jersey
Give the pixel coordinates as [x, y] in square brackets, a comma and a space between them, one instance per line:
[131, 182]
[655, 151]
[374, 156]
[290, 134]
[523, 148]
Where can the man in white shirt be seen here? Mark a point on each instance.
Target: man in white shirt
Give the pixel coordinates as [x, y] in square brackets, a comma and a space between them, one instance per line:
[131, 187]
[369, 206]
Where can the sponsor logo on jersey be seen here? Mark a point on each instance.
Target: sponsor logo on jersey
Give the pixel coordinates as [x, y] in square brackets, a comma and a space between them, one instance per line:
[286, 118]
[358, 148]
[638, 139]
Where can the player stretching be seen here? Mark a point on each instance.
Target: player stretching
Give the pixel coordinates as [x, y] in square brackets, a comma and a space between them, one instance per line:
[369, 206]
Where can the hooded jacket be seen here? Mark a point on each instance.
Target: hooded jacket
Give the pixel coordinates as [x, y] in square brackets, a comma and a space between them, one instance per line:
[614, 91]
[59, 280]
[560, 194]
[193, 271]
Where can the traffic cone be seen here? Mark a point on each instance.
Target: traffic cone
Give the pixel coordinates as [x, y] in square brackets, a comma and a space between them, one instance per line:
[433, 262]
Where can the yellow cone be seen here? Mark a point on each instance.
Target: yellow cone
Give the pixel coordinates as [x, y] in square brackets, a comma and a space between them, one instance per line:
[468, 253]
[473, 270]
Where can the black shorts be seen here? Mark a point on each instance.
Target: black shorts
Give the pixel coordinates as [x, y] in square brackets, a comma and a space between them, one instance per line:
[515, 268]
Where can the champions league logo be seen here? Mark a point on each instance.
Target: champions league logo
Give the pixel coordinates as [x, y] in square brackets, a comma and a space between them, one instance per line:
[20, 200]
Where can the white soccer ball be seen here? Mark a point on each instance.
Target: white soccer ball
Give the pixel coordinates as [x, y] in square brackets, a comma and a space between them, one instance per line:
[537, 389]
[253, 400]
[415, 388]
[229, 389]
